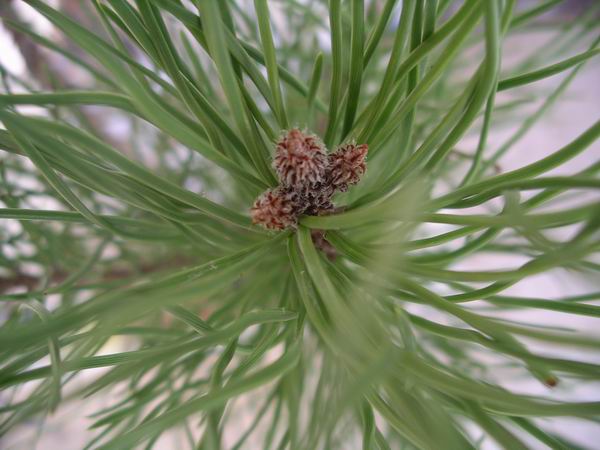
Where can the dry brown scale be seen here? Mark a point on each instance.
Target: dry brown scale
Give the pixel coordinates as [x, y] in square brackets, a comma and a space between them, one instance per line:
[308, 178]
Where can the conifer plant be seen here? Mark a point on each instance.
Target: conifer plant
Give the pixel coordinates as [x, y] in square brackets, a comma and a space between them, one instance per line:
[307, 238]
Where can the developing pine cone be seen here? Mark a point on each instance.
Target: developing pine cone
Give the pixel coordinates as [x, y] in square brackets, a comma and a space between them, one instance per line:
[308, 178]
[318, 198]
[300, 160]
[347, 165]
[277, 209]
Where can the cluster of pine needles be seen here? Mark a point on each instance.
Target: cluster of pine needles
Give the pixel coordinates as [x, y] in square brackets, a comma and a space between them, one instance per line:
[137, 256]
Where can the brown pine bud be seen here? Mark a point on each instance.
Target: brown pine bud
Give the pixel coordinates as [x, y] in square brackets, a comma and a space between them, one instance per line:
[300, 160]
[318, 198]
[277, 209]
[347, 165]
[318, 238]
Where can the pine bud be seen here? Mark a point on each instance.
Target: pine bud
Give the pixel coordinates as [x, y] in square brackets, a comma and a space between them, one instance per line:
[318, 238]
[318, 198]
[347, 165]
[300, 160]
[308, 179]
[277, 209]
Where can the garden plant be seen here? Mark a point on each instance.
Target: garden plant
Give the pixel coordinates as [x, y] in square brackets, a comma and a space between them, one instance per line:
[274, 253]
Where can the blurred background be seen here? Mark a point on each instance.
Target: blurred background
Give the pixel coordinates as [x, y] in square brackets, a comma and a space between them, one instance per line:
[24, 63]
